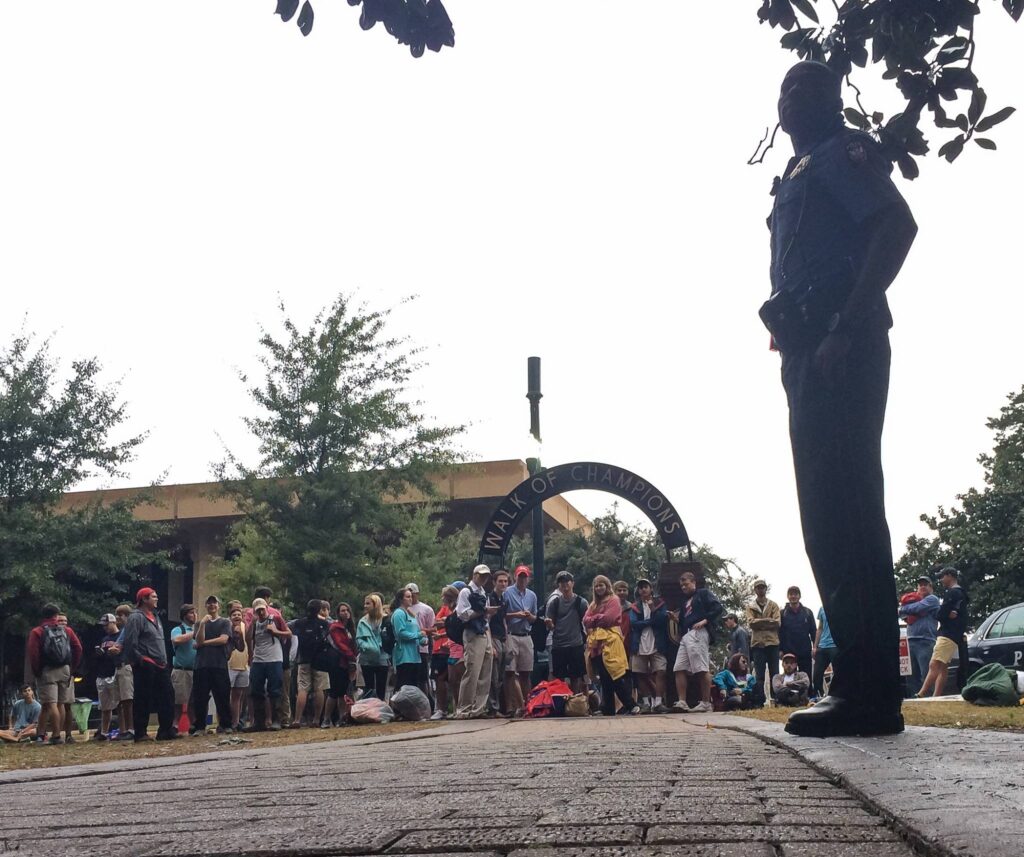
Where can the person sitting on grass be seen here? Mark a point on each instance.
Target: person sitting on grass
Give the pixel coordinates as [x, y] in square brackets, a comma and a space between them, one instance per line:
[736, 683]
[791, 687]
[24, 717]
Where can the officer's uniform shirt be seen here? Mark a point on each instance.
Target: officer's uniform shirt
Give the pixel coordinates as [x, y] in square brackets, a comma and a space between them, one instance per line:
[821, 205]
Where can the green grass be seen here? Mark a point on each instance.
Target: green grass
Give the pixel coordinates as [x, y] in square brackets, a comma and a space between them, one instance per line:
[953, 715]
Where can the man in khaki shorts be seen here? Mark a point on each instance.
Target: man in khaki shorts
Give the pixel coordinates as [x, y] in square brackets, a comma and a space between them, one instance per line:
[125, 680]
[697, 616]
[106, 674]
[521, 613]
[54, 652]
[184, 661]
[648, 643]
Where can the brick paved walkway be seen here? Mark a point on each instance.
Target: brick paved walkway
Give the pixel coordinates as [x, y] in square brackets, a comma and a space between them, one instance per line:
[622, 787]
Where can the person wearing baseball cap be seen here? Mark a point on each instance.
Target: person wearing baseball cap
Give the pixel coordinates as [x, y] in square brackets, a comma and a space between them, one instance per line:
[920, 610]
[791, 687]
[472, 608]
[564, 618]
[143, 647]
[952, 618]
[764, 619]
[521, 604]
[107, 660]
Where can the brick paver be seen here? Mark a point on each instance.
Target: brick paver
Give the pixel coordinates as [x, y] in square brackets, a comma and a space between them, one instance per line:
[601, 787]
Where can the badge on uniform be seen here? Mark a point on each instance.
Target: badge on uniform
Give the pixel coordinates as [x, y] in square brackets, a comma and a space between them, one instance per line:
[800, 166]
[856, 152]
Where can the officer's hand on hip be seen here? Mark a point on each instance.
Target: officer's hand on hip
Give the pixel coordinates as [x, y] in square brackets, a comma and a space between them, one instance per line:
[830, 358]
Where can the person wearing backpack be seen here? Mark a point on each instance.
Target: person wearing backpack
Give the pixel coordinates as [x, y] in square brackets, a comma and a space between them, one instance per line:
[373, 660]
[314, 660]
[564, 618]
[54, 653]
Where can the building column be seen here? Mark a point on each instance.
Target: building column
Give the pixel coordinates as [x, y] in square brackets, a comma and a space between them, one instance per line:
[205, 547]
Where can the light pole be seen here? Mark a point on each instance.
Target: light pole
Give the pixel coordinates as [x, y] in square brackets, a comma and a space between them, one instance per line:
[533, 465]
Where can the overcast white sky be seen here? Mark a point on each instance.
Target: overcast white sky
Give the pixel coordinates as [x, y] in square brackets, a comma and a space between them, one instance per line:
[569, 182]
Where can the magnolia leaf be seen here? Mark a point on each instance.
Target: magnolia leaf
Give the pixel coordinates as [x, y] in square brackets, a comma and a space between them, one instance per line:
[985, 143]
[286, 9]
[995, 118]
[305, 20]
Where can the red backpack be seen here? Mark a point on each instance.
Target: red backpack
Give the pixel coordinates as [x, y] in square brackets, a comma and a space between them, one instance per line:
[548, 698]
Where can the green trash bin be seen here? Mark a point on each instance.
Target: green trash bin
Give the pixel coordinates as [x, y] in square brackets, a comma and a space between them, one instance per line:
[81, 709]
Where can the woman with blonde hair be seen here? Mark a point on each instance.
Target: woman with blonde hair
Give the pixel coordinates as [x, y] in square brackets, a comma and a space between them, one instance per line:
[605, 647]
[372, 657]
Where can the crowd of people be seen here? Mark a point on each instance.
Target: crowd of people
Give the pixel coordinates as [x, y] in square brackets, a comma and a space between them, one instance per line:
[479, 655]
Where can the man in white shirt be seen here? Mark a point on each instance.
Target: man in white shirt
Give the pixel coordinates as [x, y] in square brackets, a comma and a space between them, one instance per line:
[424, 614]
[472, 608]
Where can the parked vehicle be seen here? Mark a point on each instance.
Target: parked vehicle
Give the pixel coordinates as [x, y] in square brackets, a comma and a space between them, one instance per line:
[999, 639]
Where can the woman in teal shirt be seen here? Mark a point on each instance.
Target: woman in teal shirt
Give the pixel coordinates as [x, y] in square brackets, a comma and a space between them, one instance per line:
[408, 638]
[372, 657]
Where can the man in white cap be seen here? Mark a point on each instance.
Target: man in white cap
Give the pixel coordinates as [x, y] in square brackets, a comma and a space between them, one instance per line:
[473, 610]
[424, 614]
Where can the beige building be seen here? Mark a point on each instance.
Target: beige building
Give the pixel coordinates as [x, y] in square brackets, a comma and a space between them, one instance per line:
[201, 516]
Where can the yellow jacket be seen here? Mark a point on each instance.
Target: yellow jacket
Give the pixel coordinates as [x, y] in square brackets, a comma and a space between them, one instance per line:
[607, 642]
[764, 623]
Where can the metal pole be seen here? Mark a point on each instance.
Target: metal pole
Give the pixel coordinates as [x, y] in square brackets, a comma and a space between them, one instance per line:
[533, 465]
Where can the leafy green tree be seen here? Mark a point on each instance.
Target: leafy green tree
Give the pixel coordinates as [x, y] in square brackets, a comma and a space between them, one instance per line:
[339, 444]
[426, 557]
[927, 48]
[56, 430]
[984, 536]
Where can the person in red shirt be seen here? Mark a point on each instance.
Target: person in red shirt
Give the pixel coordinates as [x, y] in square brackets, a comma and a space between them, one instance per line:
[54, 653]
[342, 636]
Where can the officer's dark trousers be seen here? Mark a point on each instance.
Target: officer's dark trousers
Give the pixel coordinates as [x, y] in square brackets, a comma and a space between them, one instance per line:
[836, 433]
[153, 692]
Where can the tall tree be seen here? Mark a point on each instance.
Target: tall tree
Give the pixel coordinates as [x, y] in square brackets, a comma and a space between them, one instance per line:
[927, 48]
[56, 430]
[984, 536]
[339, 443]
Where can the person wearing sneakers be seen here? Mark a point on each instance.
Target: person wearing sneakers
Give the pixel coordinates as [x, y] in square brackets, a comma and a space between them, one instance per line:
[54, 653]
[648, 643]
[697, 616]
[265, 637]
[145, 650]
[107, 660]
[521, 613]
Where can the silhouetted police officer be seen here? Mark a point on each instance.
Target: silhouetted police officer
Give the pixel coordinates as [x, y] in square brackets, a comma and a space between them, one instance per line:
[839, 234]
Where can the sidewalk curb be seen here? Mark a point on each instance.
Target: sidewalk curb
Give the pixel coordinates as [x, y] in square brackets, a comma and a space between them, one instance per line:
[828, 763]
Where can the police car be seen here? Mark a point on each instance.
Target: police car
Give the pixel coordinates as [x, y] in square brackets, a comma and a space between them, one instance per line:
[999, 639]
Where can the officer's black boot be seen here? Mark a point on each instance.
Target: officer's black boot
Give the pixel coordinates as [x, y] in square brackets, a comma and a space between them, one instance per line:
[835, 716]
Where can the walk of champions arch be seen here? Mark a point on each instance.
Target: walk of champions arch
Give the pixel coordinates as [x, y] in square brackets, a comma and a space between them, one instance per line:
[577, 476]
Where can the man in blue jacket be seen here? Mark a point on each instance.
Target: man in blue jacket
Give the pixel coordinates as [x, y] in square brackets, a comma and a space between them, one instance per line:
[922, 623]
[697, 616]
[648, 647]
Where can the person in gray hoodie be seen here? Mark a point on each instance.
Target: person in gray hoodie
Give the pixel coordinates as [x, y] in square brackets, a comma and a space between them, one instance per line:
[144, 648]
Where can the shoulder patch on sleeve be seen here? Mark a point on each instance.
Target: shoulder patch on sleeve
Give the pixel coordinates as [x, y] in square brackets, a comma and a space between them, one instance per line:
[856, 152]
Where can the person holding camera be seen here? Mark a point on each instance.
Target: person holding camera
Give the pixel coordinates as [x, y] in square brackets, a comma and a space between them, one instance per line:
[475, 612]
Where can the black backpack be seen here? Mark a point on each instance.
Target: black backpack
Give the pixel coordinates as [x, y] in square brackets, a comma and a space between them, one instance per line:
[387, 635]
[56, 649]
[454, 627]
[312, 635]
